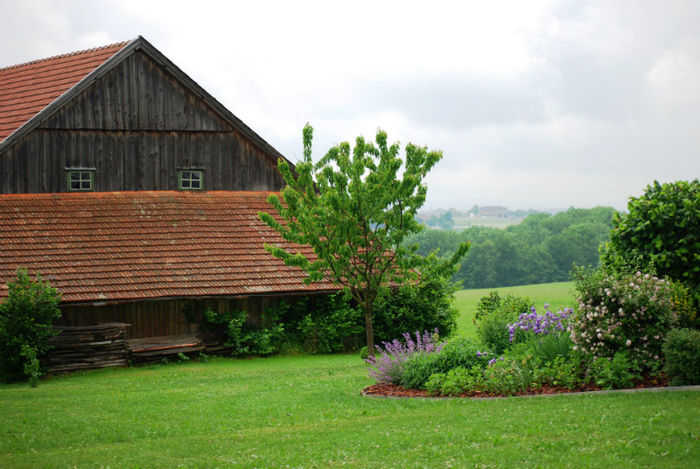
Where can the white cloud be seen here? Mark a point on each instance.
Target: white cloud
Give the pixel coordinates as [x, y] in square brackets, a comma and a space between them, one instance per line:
[535, 104]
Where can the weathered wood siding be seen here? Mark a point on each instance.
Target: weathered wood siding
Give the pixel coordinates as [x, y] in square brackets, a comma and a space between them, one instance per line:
[137, 126]
[164, 317]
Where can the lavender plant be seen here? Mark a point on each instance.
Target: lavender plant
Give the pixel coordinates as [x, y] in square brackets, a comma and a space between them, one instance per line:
[387, 365]
[532, 323]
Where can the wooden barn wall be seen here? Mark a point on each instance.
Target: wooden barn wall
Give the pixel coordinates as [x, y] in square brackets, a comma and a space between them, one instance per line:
[164, 317]
[136, 126]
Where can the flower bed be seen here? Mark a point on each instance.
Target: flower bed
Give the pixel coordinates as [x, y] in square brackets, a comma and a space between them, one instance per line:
[590, 349]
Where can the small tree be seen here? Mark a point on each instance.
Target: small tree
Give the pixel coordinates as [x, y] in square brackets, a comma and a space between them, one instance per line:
[354, 208]
[26, 318]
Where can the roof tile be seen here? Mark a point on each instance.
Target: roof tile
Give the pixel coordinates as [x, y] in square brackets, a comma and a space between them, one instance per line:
[26, 89]
[122, 246]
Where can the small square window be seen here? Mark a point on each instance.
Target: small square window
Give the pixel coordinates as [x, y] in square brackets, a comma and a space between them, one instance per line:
[191, 180]
[81, 180]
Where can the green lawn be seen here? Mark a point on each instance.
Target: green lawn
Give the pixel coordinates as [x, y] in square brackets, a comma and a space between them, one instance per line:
[307, 411]
[558, 295]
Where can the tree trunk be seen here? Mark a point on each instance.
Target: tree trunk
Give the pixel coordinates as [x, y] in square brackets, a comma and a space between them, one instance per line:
[369, 329]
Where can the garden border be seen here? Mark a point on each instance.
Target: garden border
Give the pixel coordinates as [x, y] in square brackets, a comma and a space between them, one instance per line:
[575, 393]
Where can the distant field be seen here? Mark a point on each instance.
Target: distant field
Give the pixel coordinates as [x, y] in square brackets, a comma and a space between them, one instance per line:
[462, 223]
[558, 295]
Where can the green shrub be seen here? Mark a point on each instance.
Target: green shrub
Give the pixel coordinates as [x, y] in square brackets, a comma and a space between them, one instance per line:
[26, 318]
[427, 305]
[617, 372]
[545, 348]
[685, 307]
[631, 313]
[456, 382]
[682, 357]
[458, 352]
[565, 372]
[494, 314]
[416, 370]
[334, 327]
[243, 338]
[509, 304]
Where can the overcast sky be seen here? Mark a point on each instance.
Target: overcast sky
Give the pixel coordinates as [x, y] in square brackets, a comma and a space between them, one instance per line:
[535, 104]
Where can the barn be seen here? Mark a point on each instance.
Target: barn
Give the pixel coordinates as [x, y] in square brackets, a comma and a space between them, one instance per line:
[135, 193]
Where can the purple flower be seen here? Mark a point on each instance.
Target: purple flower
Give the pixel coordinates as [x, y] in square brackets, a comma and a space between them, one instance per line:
[386, 365]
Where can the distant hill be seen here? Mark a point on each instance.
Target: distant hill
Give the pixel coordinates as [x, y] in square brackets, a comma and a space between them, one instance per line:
[494, 216]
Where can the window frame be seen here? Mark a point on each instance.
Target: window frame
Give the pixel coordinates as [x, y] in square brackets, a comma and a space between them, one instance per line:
[181, 178]
[81, 172]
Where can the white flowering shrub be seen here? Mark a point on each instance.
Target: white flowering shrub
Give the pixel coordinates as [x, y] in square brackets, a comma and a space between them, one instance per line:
[630, 313]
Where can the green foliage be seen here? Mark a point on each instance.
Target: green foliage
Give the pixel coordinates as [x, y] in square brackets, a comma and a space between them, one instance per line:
[355, 208]
[456, 381]
[444, 221]
[493, 315]
[682, 357]
[563, 371]
[424, 305]
[617, 372]
[545, 347]
[416, 370]
[457, 353]
[631, 313]
[510, 376]
[26, 319]
[319, 323]
[685, 307]
[660, 233]
[244, 338]
[542, 248]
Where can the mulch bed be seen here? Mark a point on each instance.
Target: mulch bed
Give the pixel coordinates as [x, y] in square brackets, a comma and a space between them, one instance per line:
[393, 390]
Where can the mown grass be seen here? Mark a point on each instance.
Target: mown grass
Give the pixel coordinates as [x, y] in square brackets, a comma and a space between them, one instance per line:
[307, 411]
[558, 295]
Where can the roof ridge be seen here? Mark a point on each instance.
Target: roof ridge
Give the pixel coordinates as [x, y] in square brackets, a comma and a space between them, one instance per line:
[68, 54]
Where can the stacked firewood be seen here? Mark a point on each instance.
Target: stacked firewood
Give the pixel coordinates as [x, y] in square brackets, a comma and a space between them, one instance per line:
[158, 349]
[85, 347]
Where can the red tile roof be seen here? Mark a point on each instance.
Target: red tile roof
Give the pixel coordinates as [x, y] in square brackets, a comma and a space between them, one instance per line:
[125, 246]
[28, 88]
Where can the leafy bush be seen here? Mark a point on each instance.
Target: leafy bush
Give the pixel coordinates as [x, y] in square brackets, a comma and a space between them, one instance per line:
[682, 357]
[243, 338]
[456, 381]
[416, 307]
[388, 365]
[26, 318]
[508, 304]
[660, 233]
[494, 314]
[456, 353]
[617, 372]
[565, 372]
[631, 313]
[321, 324]
[685, 307]
[416, 370]
[509, 376]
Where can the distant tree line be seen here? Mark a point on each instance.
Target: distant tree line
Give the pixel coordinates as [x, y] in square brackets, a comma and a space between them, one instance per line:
[542, 248]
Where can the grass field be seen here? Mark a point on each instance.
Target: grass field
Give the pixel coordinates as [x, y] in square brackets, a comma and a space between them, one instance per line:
[307, 411]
